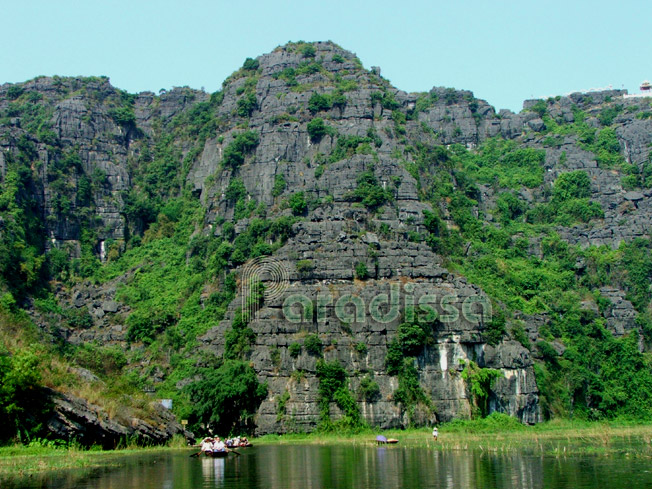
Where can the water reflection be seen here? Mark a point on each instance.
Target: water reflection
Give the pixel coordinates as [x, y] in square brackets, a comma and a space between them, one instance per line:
[308, 467]
[213, 471]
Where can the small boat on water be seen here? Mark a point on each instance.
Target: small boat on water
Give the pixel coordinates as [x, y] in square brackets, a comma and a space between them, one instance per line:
[217, 454]
[381, 440]
[241, 445]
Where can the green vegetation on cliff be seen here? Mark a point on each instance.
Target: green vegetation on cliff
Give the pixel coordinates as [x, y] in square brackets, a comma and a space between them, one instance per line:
[142, 218]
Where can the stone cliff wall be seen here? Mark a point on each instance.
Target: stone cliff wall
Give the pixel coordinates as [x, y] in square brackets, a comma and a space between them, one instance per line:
[337, 234]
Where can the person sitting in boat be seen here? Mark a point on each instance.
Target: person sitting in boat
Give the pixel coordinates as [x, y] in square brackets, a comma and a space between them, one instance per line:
[236, 441]
[218, 445]
[229, 443]
[207, 446]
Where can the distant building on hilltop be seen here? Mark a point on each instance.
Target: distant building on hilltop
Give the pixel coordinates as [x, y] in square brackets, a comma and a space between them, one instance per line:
[646, 91]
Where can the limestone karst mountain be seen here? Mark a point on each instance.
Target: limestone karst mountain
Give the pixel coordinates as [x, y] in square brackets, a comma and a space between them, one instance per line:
[419, 256]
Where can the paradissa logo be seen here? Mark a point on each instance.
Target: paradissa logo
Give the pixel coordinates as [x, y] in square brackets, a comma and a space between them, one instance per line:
[263, 270]
[266, 279]
[387, 308]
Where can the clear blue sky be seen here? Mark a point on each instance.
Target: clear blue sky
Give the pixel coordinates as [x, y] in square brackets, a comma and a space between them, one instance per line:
[504, 51]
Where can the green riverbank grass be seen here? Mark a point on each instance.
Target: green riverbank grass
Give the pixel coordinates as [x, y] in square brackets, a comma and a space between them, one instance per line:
[501, 434]
[17, 461]
[495, 434]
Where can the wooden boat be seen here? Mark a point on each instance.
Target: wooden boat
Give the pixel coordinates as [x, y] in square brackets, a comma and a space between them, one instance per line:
[243, 445]
[216, 454]
[380, 440]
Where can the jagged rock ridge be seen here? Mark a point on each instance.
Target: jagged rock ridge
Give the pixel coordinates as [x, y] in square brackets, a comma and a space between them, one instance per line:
[338, 233]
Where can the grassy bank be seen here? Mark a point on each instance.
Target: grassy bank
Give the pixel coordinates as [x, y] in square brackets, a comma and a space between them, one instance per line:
[495, 434]
[502, 434]
[18, 461]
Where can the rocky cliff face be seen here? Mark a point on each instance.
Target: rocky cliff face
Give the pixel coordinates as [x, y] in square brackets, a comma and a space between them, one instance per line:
[325, 127]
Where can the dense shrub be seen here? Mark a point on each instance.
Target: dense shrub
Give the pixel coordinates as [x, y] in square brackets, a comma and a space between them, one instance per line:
[480, 381]
[279, 185]
[123, 116]
[294, 349]
[250, 64]
[24, 405]
[332, 387]
[369, 191]
[317, 129]
[411, 337]
[243, 143]
[226, 398]
[298, 204]
[368, 390]
[572, 185]
[246, 105]
[313, 344]
[361, 272]
[319, 102]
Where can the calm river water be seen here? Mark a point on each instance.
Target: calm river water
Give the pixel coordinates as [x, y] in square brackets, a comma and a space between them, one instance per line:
[305, 467]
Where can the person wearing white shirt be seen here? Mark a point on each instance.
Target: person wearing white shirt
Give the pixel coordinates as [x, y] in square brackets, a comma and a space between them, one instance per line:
[218, 445]
[207, 446]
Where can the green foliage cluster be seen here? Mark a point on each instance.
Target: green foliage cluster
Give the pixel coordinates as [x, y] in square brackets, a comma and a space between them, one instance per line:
[409, 342]
[308, 51]
[323, 102]
[386, 99]
[317, 129]
[503, 164]
[279, 185]
[410, 394]
[246, 105]
[235, 152]
[540, 108]
[347, 146]
[361, 272]
[608, 114]
[289, 75]
[34, 113]
[606, 148]
[22, 263]
[333, 388]
[598, 376]
[294, 349]
[305, 267]
[238, 339]
[637, 176]
[298, 204]
[570, 202]
[250, 64]
[281, 406]
[23, 405]
[603, 143]
[480, 381]
[424, 102]
[369, 191]
[226, 398]
[368, 390]
[124, 116]
[313, 345]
